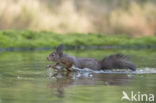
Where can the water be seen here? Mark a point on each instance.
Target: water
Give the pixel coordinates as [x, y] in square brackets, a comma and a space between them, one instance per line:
[24, 79]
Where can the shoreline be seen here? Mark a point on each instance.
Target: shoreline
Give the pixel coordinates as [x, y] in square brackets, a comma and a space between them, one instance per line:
[78, 48]
[30, 40]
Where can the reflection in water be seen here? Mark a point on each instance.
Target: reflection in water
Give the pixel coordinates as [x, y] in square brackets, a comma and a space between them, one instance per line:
[63, 80]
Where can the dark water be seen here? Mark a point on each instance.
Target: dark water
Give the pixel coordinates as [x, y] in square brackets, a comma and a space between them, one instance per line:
[24, 79]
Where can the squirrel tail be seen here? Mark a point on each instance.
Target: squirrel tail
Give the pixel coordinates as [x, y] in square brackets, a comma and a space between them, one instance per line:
[117, 61]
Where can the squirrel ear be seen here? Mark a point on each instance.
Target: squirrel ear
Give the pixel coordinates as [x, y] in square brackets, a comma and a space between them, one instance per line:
[59, 49]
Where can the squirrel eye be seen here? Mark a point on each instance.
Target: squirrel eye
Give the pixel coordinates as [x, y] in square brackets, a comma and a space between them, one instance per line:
[53, 54]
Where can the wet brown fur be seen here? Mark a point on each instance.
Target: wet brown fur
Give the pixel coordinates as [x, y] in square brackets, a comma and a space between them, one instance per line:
[116, 61]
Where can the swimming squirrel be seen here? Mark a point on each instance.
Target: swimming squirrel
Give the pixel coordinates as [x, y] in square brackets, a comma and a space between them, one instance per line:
[115, 61]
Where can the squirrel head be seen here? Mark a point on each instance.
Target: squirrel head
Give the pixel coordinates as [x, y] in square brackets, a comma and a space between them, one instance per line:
[56, 55]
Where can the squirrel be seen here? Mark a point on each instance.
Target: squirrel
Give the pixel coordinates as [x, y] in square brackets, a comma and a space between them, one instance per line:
[115, 61]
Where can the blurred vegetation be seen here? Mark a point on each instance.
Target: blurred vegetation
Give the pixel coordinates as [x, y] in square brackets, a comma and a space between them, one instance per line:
[132, 17]
[32, 39]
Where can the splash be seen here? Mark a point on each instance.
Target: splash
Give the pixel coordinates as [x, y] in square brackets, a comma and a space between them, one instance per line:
[89, 73]
[145, 70]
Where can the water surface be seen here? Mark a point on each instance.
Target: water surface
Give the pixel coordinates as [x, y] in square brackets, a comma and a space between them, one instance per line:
[24, 79]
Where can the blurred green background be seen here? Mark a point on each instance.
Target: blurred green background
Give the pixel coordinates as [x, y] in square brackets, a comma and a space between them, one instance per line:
[48, 23]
